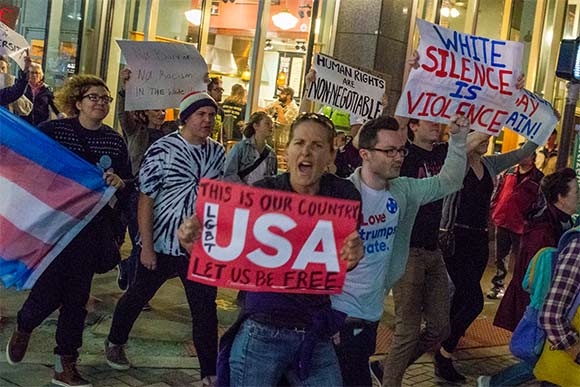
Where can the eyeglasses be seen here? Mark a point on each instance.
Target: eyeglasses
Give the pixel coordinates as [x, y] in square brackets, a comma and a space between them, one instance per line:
[107, 99]
[391, 152]
[320, 118]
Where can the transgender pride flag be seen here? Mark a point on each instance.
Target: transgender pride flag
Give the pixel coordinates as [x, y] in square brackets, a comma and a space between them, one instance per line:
[47, 195]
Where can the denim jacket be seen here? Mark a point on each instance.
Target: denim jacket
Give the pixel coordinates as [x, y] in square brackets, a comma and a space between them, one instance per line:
[243, 155]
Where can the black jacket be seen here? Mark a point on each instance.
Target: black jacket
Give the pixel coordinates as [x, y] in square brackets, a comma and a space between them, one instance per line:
[41, 105]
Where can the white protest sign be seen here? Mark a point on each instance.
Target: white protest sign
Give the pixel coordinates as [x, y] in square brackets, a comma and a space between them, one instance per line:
[161, 73]
[476, 77]
[13, 45]
[346, 88]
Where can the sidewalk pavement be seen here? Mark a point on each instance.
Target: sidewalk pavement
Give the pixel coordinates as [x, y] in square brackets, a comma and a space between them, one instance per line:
[160, 345]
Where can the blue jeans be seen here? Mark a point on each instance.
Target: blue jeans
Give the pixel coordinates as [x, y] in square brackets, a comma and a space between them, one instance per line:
[514, 375]
[262, 354]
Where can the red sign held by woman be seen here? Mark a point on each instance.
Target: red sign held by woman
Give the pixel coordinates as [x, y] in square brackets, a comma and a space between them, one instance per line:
[265, 240]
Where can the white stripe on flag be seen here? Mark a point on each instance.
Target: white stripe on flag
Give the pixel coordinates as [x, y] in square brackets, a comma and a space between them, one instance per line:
[32, 215]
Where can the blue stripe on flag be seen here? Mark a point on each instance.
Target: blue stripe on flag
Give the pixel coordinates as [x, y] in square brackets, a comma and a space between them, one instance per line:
[31, 143]
[14, 273]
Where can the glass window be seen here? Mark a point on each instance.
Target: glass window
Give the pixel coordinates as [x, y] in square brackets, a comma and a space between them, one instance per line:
[173, 24]
[522, 25]
[454, 15]
[489, 18]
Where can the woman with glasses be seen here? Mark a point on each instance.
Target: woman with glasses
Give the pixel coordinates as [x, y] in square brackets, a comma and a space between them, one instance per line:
[252, 159]
[66, 283]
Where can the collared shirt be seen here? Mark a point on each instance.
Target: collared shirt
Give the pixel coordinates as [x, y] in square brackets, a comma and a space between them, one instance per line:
[565, 287]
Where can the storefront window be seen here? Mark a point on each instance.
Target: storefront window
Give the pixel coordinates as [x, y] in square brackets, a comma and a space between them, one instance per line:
[489, 18]
[522, 25]
[456, 15]
[172, 20]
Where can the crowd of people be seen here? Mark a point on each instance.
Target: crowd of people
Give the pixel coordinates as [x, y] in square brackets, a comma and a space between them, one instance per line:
[437, 197]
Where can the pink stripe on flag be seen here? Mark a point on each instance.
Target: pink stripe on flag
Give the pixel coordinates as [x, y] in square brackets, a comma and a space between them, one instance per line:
[56, 191]
[16, 244]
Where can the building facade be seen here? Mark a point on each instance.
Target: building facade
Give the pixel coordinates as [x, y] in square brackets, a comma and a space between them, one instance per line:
[267, 44]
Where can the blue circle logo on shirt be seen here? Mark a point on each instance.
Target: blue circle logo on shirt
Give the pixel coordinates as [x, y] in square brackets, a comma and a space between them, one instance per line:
[392, 206]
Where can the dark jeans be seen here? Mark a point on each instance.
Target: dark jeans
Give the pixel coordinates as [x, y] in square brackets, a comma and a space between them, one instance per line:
[466, 268]
[64, 285]
[128, 267]
[357, 345]
[202, 306]
[505, 241]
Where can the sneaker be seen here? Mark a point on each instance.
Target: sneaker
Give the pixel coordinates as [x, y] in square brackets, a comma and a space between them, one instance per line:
[116, 357]
[495, 293]
[445, 370]
[69, 376]
[377, 372]
[16, 347]
[122, 279]
[483, 381]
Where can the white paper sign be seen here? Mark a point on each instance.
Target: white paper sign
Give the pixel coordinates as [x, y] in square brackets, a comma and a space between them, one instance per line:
[346, 88]
[13, 45]
[161, 73]
[476, 77]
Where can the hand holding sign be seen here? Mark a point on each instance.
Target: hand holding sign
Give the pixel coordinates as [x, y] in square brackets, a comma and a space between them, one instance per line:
[189, 233]
[458, 124]
[13, 45]
[352, 250]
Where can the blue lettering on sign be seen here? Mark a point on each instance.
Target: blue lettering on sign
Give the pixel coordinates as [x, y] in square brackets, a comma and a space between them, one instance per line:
[478, 48]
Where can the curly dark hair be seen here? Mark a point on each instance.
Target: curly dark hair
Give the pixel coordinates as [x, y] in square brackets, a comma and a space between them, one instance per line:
[73, 90]
[556, 184]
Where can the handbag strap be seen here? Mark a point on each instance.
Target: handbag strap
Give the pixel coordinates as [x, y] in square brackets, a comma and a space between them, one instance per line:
[245, 172]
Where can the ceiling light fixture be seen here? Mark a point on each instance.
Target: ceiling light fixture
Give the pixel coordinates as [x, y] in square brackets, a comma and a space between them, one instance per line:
[284, 20]
[193, 16]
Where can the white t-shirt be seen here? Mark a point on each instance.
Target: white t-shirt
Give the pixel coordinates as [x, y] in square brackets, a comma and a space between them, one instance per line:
[364, 291]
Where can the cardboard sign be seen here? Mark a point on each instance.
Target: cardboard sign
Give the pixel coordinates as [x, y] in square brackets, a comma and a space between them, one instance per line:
[272, 241]
[161, 73]
[346, 88]
[13, 45]
[476, 77]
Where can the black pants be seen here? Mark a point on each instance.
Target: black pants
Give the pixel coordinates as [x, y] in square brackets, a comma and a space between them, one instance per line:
[505, 241]
[65, 284]
[357, 345]
[202, 306]
[466, 268]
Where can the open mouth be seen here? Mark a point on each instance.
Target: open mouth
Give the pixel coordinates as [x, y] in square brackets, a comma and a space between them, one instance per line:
[305, 167]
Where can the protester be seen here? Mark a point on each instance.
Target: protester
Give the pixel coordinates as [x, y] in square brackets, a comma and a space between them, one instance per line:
[141, 129]
[514, 194]
[339, 118]
[543, 227]
[12, 93]
[284, 110]
[22, 106]
[40, 95]
[283, 334]
[215, 90]
[395, 201]
[234, 111]
[66, 283]
[252, 159]
[168, 180]
[547, 155]
[348, 158]
[554, 318]
[466, 216]
[425, 280]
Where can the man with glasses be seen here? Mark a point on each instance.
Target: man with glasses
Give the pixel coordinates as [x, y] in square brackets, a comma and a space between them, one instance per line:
[423, 292]
[390, 205]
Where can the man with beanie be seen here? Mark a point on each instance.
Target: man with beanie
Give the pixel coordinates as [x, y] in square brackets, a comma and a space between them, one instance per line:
[168, 182]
